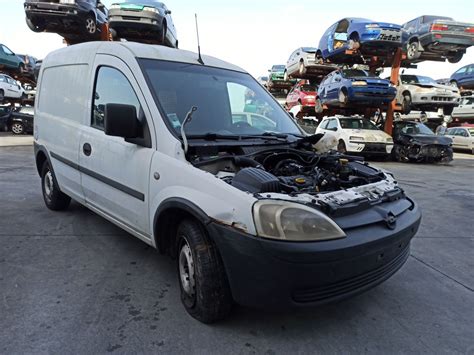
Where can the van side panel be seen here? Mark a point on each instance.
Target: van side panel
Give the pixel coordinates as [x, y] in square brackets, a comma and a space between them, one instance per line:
[60, 112]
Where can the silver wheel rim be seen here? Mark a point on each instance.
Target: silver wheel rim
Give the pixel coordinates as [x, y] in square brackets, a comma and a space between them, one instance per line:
[17, 128]
[301, 68]
[48, 185]
[412, 50]
[90, 25]
[186, 270]
[342, 97]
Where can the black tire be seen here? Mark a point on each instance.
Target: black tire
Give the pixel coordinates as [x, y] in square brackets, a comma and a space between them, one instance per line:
[2, 96]
[21, 68]
[90, 25]
[302, 69]
[286, 76]
[413, 50]
[54, 199]
[17, 128]
[341, 147]
[176, 45]
[406, 104]
[455, 57]
[162, 35]
[448, 110]
[35, 27]
[205, 291]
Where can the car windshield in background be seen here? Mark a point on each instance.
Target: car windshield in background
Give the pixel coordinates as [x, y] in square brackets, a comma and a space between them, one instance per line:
[228, 102]
[417, 128]
[308, 88]
[357, 123]
[309, 49]
[278, 67]
[417, 79]
[141, 2]
[353, 73]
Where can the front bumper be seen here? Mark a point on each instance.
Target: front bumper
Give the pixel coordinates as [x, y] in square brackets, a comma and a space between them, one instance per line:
[370, 148]
[135, 19]
[434, 99]
[272, 274]
[53, 11]
[371, 95]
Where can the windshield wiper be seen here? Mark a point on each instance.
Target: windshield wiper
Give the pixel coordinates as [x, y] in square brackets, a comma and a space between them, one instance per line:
[210, 136]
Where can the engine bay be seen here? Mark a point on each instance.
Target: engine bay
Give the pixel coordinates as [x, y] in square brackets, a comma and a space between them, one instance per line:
[289, 171]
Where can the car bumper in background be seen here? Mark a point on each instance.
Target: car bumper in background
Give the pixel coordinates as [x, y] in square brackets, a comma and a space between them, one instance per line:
[129, 18]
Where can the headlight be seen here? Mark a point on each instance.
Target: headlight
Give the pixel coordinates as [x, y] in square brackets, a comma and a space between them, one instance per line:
[67, 1]
[372, 25]
[389, 140]
[356, 138]
[293, 222]
[423, 90]
[359, 83]
[151, 9]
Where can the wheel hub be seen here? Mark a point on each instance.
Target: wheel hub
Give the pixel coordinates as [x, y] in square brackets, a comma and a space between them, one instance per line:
[186, 270]
[16, 128]
[48, 184]
[90, 25]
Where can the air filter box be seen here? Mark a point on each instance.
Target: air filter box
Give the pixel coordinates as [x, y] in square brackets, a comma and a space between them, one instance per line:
[256, 180]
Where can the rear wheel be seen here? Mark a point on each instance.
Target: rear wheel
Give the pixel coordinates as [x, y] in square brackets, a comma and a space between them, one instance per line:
[205, 291]
[53, 197]
[413, 50]
[286, 76]
[406, 104]
[162, 34]
[302, 69]
[90, 25]
[455, 57]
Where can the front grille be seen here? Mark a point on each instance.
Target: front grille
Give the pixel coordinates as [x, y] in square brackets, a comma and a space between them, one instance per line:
[375, 148]
[443, 98]
[353, 284]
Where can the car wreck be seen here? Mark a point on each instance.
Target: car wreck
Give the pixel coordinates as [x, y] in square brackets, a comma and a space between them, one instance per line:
[415, 142]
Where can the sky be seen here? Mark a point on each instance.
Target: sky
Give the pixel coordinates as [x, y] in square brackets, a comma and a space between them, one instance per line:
[255, 34]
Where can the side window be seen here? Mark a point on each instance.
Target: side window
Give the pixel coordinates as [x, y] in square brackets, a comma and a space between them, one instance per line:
[7, 51]
[2, 79]
[462, 70]
[324, 124]
[111, 87]
[332, 125]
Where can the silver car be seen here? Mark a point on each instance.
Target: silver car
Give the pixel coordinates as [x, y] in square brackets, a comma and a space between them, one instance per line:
[303, 64]
[463, 138]
[465, 109]
[417, 92]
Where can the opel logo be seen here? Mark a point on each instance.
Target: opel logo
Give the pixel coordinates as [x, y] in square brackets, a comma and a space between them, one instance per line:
[391, 220]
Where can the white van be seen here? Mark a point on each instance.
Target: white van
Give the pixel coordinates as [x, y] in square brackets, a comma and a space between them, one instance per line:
[162, 145]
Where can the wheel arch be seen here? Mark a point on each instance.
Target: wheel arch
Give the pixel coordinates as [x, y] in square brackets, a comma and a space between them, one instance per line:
[41, 155]
[354, 35]
[166, 220]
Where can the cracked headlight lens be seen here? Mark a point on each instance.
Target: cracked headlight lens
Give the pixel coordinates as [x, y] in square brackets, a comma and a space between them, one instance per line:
[290, 221]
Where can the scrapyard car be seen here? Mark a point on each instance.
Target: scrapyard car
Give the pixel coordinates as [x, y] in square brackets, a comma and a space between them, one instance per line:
[419, 92]
[21, 120]
[415, 142]
[437, 38]
[276, 78]
[72, 19]
[146, 21]
[463, 137]
[356, 135]
[303, 63]
[250, 214]
[463, 77]
[354, 87]
[10, 61]
[365, 36]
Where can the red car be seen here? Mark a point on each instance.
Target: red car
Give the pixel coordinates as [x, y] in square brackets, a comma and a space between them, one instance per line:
[302, 94]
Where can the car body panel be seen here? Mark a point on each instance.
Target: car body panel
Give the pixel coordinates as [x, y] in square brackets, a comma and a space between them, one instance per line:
[8, 59]
[465, 110]
[10, 88]
[381, 38]
[302, 94]
[463, 138]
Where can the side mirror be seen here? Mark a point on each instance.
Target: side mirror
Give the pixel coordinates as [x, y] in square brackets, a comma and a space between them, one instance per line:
[121, 121]
[168, 12]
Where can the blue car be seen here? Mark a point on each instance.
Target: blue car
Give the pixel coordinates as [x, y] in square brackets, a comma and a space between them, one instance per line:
[368, 37]
[355, 87]
[464, 77]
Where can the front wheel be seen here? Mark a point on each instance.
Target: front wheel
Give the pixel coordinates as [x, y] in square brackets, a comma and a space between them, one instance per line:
[17, 128]
[406, 104]
[285, 76]
[162, 35]
[343, 97]
[53, 197]
[205, 291]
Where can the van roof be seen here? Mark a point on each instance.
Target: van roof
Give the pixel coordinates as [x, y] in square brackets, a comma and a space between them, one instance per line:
[85, 53]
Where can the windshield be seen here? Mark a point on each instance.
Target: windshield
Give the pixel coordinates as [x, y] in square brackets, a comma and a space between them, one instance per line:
[416, 128]
[352, 73]
[308, 88]
[357, 123]
[309, 49]
[278, 68]
[228, 102]
[417, 79]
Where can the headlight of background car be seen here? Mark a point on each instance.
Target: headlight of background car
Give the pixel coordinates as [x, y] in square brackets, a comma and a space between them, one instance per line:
[356, 138]
[359, 83]
[290, 221]
[67, 1]
[151, 9]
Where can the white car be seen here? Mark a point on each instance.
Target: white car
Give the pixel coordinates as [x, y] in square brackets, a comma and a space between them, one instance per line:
[302, 63]
[465, 109]
[355, 134]
[9, 88]
[463, 138]
[164, 147]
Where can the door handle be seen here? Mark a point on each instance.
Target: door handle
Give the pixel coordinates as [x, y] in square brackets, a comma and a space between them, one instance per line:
[87, 149]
